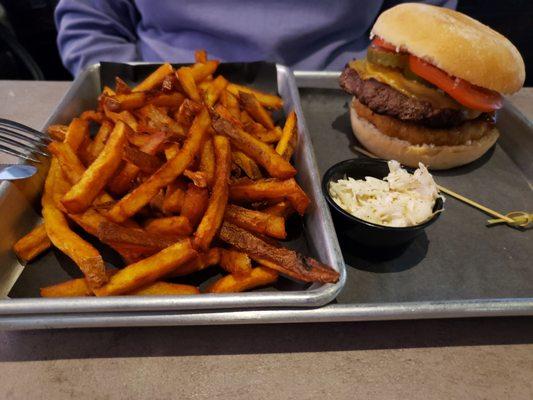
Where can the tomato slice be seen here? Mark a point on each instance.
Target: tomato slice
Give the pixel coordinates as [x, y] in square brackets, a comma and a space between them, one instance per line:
[383, 45]
[468, 95]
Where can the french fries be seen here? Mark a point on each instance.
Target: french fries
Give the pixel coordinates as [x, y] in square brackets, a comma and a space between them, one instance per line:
[83, 193]
[134, 201]
[178, 225]
[270, 189]
[262, 153]
[214, 214]
[259, 276]
[286, 261]
[186, 79]
[256, 110]
[195, 204]
[256, 221]
[149, 270]
[79, 288]
[154, 78]
[287, 142]
[82, 253]
[235, 262]
[32, 244]
[186, 171]
[267, 100]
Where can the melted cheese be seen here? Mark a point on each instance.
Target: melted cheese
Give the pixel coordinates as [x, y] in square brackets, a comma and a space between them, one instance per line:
[396, 80]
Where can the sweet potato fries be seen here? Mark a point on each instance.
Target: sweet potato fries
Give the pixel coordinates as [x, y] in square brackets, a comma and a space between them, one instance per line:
[186, 170]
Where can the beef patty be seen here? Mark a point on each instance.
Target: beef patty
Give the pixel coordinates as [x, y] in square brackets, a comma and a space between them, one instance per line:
[383, 99]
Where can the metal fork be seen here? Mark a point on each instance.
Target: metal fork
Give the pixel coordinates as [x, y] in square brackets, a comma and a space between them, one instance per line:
[22, 141]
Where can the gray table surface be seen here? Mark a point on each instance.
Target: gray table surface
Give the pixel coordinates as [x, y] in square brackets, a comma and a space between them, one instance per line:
[439, 359]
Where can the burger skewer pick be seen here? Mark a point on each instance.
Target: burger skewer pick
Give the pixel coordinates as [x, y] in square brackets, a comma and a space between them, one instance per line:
[430, 87]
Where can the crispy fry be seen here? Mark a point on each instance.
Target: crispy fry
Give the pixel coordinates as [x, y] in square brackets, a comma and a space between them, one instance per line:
[170, 84]
[260, 152]
[200, 71]
[122, 181]
[144, 161]
[155, 120]
[199, 178]
[140, 196]
[249, 166]
[178, 225]
[247, 120]
[73, 168]
[266, 100]
[272, 136]
[188, 84]
[174, 198]
[230, 102]
[93, 116]
[200, 56]
[83, 193]
[107, 91]
[121, 102]
[32, 244]
[155, 78]
[79, 288]
[207, 161]
[282, 209]
[259, 276]
[289, 138]
[187, 112]
[284, 260]
[212, 219]
[270, 189]
[173, 100]
[194, 203]
[121, 87]
[235, 262]
[124, 116]
[165, 289]
[97, 145]
[57, 132]
[171, 150]
[198, 263]
[109, 232]
[149, 270]
[71, 288]
[82, 253]
[256, 221]
[214, 90]
[256, 110]
[77, 133]
[226, 114]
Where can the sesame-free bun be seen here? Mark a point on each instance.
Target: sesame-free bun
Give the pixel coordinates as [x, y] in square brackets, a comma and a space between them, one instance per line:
[434, 157]
[455, 43]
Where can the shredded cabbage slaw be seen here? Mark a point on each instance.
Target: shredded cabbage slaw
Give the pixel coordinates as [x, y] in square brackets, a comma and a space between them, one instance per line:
[401, 199]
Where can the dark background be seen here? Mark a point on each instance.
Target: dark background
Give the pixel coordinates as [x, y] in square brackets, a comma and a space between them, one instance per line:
[28, 49]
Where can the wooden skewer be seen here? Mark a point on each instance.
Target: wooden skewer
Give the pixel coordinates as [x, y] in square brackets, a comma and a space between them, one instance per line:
[452, 193]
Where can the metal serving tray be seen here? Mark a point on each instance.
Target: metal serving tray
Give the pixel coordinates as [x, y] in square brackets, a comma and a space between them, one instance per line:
[17, 216]
[459, 268]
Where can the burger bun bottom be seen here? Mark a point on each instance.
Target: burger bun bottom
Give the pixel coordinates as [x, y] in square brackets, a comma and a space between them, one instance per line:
[434, 157]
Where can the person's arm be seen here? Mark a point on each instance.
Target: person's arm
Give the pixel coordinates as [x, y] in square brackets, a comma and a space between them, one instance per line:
[90, 31]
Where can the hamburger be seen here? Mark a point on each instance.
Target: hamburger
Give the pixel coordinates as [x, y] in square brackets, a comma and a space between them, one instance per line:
[430, 85]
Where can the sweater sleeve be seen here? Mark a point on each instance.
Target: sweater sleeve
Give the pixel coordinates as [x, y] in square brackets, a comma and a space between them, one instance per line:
[90, 31]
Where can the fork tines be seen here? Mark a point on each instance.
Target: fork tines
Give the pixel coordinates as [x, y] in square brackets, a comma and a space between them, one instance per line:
[21, 140]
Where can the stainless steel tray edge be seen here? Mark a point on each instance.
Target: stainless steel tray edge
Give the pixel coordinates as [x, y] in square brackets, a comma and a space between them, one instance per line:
[324, 238]
[330, 313]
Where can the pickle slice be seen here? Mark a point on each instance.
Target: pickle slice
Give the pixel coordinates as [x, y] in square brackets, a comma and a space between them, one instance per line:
[386, 58]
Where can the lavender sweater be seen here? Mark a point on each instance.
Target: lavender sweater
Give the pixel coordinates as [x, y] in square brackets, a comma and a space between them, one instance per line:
[304, 34]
